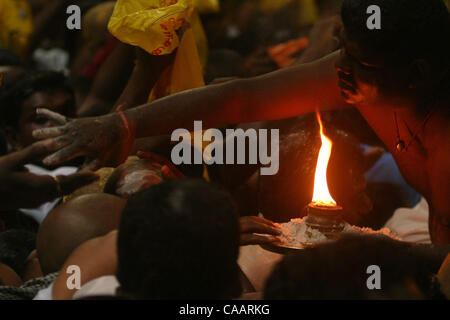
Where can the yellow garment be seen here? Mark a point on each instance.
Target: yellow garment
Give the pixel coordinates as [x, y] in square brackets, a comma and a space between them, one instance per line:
[185, 73]
[207, 6]
[200, 38]
[149, 24]
[153, 27]
[309, 13]
[16, 25]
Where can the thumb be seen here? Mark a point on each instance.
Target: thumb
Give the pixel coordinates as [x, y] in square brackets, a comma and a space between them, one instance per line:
[77, 180]
[91, 165]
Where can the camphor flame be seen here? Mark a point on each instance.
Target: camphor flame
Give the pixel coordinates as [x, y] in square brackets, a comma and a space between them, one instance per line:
[321, 196]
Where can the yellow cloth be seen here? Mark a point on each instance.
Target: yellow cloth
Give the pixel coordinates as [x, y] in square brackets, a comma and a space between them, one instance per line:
[185, 73]
[16, 25]
[207, 6]
[152, 25]
[149, 24]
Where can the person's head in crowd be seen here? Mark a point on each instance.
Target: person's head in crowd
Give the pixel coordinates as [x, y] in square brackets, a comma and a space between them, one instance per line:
[37, 89]
[347, 269]
[74, 222]
[179, 240]
[407, 59]
[284, 196]
[15, 246]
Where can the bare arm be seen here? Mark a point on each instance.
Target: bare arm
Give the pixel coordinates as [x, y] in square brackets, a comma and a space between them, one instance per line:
[282, 94]
[145, 75]
[109, 78]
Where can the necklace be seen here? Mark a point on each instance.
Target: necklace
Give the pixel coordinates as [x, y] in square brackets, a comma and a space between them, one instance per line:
[400, 144]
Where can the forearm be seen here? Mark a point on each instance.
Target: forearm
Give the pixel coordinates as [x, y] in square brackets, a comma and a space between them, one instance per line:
[145, 75]
[281, 94]
[111, 77]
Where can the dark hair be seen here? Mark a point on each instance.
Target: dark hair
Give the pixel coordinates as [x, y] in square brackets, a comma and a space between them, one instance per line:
[338, 270]
[15, 246]
[13, 98]
[409, 29]
[179, 240]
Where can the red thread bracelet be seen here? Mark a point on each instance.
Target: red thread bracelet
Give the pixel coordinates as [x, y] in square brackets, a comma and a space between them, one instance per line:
[125, 122]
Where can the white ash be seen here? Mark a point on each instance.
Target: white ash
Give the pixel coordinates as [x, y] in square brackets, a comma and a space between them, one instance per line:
[298, 233]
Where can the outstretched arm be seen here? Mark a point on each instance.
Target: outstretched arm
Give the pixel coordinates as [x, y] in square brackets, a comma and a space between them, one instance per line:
[277, 95]
[286, 93]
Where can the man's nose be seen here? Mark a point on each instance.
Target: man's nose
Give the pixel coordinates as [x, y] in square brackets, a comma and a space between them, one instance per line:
[342, 64]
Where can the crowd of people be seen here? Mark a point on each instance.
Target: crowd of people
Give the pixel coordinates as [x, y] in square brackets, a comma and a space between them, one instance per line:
[86, 177]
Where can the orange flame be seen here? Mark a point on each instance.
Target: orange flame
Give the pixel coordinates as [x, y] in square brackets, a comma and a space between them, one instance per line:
[321, 196]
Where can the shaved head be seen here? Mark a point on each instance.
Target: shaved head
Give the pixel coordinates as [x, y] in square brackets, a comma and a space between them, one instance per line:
[74, 222]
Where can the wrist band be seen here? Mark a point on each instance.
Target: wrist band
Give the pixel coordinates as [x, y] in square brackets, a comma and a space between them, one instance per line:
[125, 122]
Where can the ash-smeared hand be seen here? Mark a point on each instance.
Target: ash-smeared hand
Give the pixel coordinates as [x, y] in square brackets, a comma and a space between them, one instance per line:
[257, 230]
[101, 140]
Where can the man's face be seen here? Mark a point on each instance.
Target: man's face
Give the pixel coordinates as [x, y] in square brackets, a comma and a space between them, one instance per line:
[363, 78]
[59, 101]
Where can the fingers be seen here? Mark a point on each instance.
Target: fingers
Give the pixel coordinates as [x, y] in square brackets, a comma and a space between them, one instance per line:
[258, 225]
[249, 239]
[74, 181]
[58, 118]
[24, 156]
[49, 132]
[67, 153]
[92, 165]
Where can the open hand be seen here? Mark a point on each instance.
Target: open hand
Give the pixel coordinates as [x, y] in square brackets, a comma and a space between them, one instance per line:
[22, 189]
[103, 140]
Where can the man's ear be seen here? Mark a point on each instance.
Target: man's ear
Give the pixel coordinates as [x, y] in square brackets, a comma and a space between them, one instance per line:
[13, 138]
[419, 75]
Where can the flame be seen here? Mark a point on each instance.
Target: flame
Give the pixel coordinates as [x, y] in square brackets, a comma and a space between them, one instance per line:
[321, 196]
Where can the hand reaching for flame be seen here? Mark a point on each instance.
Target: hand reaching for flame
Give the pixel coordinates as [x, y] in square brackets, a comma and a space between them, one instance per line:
[250, 226]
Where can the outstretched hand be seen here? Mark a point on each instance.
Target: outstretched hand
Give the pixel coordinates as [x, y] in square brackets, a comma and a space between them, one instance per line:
[257, 230]
[103, 140]
[22, 189]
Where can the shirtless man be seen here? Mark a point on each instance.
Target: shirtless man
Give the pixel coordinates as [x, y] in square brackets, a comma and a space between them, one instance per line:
[397, 77]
